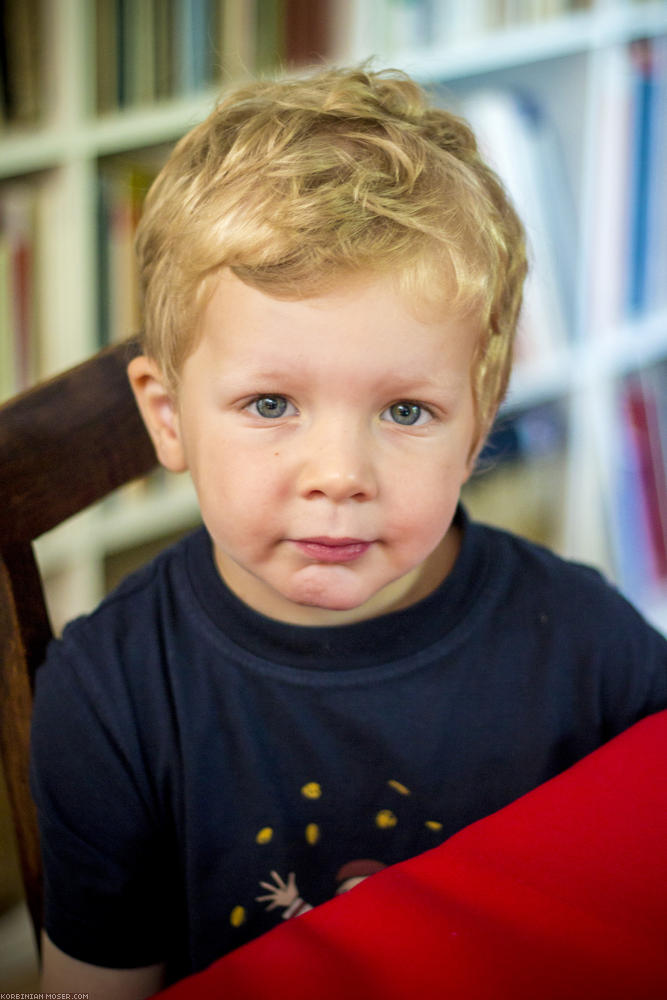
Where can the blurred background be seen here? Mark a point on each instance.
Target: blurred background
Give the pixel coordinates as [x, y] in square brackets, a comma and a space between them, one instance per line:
[569, 101]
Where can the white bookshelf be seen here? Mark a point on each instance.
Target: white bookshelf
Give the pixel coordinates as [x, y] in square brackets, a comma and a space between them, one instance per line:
[580, 32]
[570, 62]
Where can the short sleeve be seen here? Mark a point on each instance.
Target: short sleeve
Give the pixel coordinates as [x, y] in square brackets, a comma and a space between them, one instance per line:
[104, 849]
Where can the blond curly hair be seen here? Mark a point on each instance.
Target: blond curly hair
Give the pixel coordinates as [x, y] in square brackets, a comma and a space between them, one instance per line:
[296, 183]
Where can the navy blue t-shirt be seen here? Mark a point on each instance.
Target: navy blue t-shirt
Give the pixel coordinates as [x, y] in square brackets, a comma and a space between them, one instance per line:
[202, 772]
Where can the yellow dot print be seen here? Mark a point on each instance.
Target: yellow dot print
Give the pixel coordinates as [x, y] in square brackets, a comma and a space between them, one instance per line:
[311, 791]
[398, 787]
[385, 819]
[312, 833]
[264, 836]
[237, 916]
[433, 824]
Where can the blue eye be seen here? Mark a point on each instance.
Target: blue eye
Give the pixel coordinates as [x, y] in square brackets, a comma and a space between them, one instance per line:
[270, 406]
[405, 413]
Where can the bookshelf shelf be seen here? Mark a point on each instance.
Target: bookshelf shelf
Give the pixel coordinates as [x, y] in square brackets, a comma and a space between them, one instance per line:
[51, 147]
[146, 126]
[619, 351]
[634, 345]
[506, 49]
[25, 153]
[120, 523]
[577, 33]
[575, 68]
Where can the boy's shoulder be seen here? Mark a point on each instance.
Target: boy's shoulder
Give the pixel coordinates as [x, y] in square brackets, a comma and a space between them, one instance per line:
[108, 664]
[521, 561]
[524, 574]
[143, 594]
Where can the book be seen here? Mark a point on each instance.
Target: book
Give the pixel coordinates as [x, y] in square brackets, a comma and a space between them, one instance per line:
[607, 192]
[148, 50]
[122, 186]
[641, 414]
[647, 210]
[237, 38]
[644, 96]
[270, 40]
[384, 27]
[139, 48]
[307, 31]
[7, 376]
[21, 59]
[655, 278]
[107, 58]
[165, 43]
[196, 37]
[119, 306]
[18, 235]
[639, 523]
[510, 133]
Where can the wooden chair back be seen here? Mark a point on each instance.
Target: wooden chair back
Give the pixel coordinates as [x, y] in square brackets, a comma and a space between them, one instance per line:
[63, 445]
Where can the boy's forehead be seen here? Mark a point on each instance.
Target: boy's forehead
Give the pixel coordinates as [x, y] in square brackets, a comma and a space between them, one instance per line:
[362, 294]
[363, 333]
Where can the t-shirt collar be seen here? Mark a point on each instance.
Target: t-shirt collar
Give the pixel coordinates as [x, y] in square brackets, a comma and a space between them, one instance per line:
[368, 643]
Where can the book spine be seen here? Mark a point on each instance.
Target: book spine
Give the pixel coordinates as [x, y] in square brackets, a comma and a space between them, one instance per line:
[237, 37]
[20, 61]
[643, 99]
[651, 395]
[307, 30]
[607, 253]
[122, 187]
[7, 372]
[18, 235]
[656, 235]
[270, 39]
[511, 142]
[641, 527]
[107, 57]
[163, 21]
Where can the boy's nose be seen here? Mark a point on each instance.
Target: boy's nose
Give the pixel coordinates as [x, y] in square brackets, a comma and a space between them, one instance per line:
[338, 466]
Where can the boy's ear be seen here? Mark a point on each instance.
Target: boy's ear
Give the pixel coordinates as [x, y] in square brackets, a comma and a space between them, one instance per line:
[158, 410]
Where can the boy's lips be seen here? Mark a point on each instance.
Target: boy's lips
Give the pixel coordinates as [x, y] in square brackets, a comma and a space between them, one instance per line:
[332, 550]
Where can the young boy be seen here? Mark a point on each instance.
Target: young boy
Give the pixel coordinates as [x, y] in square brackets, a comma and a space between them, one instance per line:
[339, 670]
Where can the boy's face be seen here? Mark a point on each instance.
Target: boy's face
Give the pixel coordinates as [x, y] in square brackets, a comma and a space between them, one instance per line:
[328, 439]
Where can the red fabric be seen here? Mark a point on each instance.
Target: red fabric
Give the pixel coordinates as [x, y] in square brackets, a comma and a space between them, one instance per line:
[562, 894]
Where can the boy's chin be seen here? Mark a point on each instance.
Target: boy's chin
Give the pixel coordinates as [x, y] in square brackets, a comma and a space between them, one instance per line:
[328, 601]
[340, 602]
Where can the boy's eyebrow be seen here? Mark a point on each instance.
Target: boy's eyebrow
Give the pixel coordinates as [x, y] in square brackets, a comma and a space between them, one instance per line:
[266, 378]
[404, 382]
[396, 383]
[418, 384]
